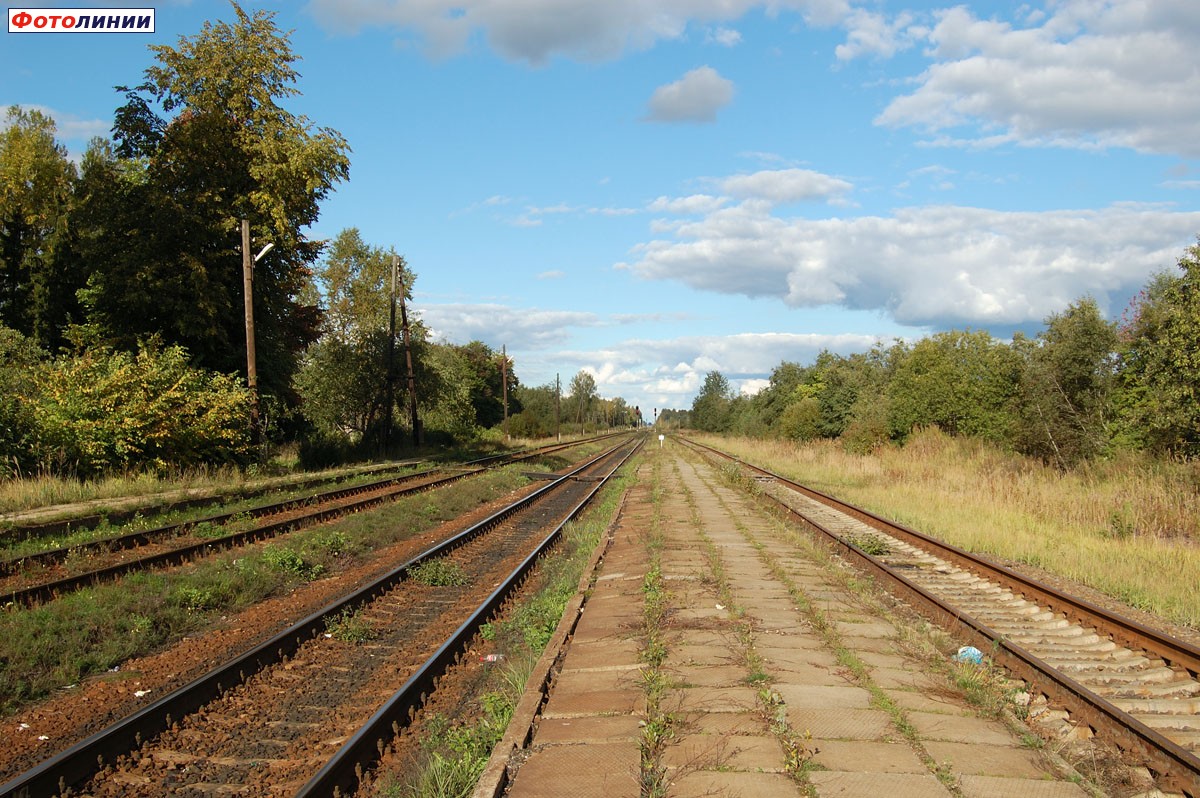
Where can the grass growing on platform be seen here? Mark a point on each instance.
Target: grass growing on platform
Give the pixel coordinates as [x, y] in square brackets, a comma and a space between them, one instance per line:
[1129, 527]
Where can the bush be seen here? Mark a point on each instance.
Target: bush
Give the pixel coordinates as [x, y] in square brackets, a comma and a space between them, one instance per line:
[106, 411]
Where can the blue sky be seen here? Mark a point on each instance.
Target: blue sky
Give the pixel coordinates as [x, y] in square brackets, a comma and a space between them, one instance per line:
[654, 189]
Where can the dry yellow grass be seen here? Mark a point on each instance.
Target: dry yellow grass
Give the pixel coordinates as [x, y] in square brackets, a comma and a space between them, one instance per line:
[1129, 527]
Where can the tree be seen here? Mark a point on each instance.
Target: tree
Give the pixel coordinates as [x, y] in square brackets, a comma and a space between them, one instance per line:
[1067, 385]
[36, 181]
[964, 382]
[1160, 362]
[582, 391]
[169, 257]
[710, 408]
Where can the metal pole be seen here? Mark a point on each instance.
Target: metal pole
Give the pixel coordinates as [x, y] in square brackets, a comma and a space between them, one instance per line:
[248, 292]
[557, 407]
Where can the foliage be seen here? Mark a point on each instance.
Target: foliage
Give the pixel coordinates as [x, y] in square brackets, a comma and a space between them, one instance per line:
[582, 391]
[964, 382]
[223, 150]
[1067, 386]
[711, 407]
[106, 410]
[1160, 362]
[18, 391]
[36, 180]
[539, 416]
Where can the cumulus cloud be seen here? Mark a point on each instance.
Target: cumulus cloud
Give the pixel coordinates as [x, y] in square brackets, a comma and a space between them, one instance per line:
[1087, 75]
[939, 266]
[537, 30]
[871, 33]
[535, 329]
[696, 97]
[669, 372]
[779, 186]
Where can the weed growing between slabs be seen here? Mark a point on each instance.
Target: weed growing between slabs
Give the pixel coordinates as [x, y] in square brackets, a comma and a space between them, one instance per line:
[797, 752]
[455, 750]
[658, 726]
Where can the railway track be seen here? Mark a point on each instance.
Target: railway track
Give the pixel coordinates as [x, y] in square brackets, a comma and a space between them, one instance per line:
[307, 713]
[41, 576]
[1133, 685]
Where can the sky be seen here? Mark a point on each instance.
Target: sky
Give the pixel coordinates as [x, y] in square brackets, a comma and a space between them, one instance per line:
[651, 190]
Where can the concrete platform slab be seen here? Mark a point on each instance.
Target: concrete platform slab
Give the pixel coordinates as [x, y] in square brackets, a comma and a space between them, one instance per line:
[988, 760]
[833, 784]
[848, 755]
[595, 702]
[573, 681]
[807, 696]
[726, 752]
[602, 770]
[585, 654]
[713, 699]
[956, 728]
[591, 729]
[710, 675]
[842, 724]
[708, 783]
[1001, 787]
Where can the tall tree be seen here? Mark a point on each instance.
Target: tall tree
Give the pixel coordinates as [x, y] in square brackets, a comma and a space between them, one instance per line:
[1160, 361]
[583, 391]
[1067, 385]
[222, 150]
[710, 408]
[36, 180]
[964, 382]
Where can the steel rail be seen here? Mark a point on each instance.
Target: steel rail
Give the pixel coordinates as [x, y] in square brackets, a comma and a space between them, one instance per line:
[36, 594]
[1177, 766]
[341, 774]
[82, 760]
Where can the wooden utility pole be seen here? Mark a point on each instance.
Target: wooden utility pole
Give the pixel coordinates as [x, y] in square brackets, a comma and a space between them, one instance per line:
[412, 380]
[391, 364]
[248, 291]
[557, 408]
[504, 384]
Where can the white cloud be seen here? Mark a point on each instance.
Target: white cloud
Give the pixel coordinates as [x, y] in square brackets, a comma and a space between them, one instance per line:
[870, 33]
[696, 203]
[726, 37]
[537, 30]
[497, 324]
[696, 97]
[669, 373]
[1120, 73]
[780, 186]
[942, 266]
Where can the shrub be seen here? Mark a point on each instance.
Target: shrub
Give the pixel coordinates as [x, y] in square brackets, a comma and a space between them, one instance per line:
[104, 410]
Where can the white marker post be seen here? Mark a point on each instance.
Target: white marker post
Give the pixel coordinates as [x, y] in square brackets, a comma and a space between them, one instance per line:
[661, 438]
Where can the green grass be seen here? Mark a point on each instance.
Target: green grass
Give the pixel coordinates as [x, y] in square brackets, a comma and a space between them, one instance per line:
[87, 633]
[456, 750]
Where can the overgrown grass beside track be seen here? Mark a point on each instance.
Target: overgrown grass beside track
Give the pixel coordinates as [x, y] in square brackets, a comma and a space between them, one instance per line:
[96, 629]
[1129, 528]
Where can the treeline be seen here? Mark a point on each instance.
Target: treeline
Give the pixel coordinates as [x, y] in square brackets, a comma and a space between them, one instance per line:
[1082, 387]
[122, 324]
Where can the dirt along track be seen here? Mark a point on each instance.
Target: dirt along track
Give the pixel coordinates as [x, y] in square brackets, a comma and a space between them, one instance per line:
[76, 711]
